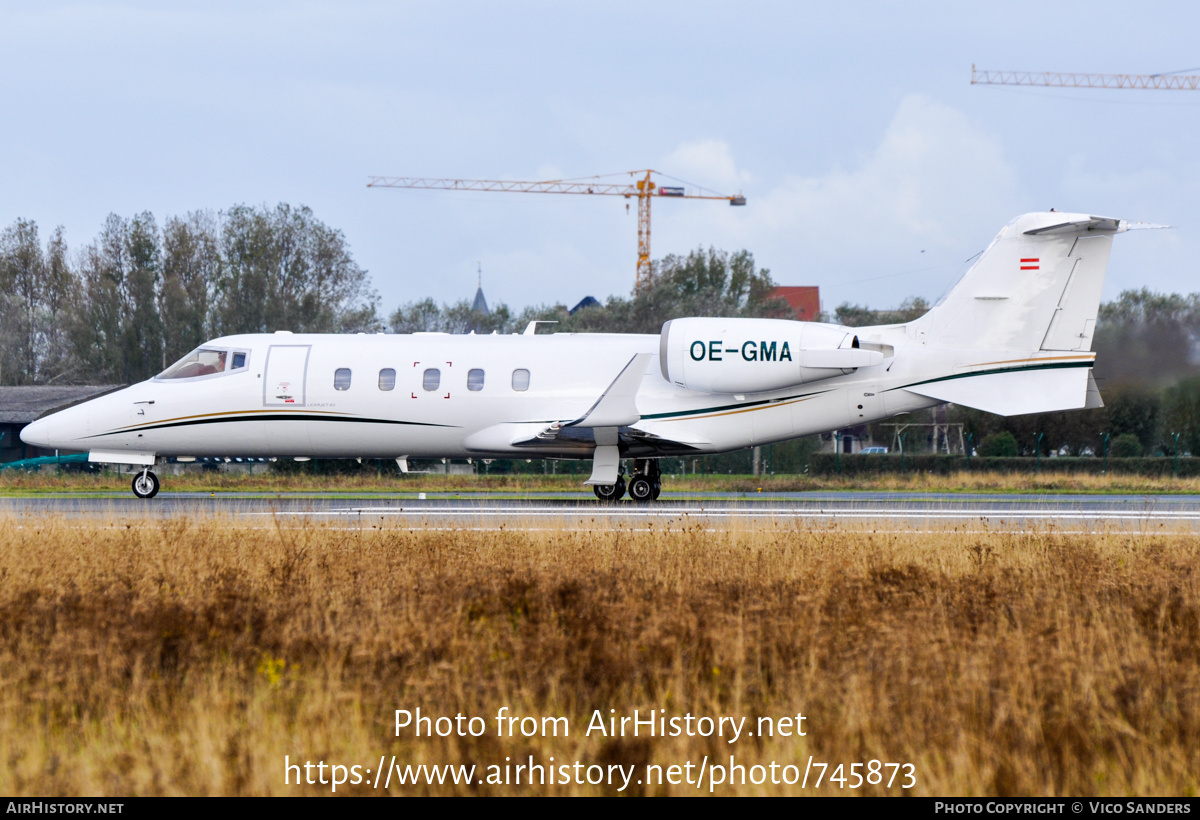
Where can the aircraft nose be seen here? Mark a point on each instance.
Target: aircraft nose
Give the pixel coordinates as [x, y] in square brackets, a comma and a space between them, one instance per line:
[38, 433]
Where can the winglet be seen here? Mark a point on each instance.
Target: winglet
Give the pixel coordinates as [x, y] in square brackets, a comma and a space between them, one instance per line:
[616, 406]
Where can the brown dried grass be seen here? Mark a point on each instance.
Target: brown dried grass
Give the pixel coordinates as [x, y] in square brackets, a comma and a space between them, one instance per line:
[190, 656]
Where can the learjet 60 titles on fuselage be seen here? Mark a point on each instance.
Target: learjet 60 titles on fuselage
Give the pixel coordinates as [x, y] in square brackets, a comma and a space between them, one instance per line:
[1013, 336]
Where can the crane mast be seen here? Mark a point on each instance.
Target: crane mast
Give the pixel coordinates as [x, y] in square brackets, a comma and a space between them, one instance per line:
[643, 186]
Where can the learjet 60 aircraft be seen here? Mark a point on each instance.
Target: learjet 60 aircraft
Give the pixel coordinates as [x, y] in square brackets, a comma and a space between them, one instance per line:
[1013, 336]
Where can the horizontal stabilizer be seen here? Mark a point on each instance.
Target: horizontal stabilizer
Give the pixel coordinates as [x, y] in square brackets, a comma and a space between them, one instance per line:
[1014, 393]
[1079, 226]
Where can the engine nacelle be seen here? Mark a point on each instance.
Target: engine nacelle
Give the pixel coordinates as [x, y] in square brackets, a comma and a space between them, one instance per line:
[756, 355]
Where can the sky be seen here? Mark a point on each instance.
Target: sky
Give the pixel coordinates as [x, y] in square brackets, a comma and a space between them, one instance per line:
[872, 168]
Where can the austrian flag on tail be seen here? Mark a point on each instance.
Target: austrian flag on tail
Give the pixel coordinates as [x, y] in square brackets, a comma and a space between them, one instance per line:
[1029, 264]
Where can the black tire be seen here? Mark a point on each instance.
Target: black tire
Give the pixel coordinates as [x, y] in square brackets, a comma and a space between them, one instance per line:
[657, 490]
[641, 489]
[610, 492]
[145, 485]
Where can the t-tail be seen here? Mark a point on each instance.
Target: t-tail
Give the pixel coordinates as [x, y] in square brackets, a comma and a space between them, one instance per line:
[1023, 317]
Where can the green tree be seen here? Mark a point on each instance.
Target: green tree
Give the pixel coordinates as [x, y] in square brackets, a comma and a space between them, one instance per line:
[120, 335]
[703, 283]
[59, 312]
[36, 292]
[191, 265]
[286, 270]
[97, 340]
[861, 316]
[22, 274]
[1181, 414]
[418, 317]
[427, 317]
[142, 326]
[999, 445]
[1135, 411]
[1126, 445]
[1147, 339]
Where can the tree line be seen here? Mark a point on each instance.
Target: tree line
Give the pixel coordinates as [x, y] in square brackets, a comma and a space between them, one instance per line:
[141, 295]
[701, 283]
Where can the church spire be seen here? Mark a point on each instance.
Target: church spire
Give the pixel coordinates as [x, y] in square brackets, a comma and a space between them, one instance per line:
[480, 305]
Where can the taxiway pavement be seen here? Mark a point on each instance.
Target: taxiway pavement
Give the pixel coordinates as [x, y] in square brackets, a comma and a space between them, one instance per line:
[896, 511]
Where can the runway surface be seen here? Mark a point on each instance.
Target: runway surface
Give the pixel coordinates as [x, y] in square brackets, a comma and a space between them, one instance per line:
[897, 511]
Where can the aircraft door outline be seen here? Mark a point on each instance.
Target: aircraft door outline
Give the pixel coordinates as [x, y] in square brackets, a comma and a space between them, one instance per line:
[285, 375]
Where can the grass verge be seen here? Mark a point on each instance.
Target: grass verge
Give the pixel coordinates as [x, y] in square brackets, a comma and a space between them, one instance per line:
[192, 656]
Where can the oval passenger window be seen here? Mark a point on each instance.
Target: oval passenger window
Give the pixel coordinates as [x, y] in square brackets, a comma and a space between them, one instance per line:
[341, 378]
[433, 378]
[475, 379]
[387, 379]
[520, 380]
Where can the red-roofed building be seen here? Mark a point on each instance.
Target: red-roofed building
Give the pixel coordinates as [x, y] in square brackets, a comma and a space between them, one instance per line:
[804, 299]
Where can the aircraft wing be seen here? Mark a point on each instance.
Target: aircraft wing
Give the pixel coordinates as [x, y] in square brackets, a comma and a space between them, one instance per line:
[617, 405]
[634, 443]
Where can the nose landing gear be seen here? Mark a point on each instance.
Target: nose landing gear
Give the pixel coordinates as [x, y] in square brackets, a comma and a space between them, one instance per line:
[145, 484]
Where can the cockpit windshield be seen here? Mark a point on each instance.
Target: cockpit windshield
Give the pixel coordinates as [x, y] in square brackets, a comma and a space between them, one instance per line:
[205, 361]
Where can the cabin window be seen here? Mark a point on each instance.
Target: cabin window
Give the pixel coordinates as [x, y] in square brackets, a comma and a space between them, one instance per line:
[387, 379]
[433, 378]
[475, 379]
[520, 380]
[341, 378]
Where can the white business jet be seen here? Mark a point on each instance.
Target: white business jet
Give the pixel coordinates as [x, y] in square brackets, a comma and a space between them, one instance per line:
[1013, 336]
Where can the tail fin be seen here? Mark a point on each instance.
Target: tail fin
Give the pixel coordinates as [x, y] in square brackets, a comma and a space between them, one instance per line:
[1036, 287]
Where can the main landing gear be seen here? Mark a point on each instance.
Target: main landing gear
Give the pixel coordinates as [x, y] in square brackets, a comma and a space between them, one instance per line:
[145, 484]
[644, 485]
[610, 492]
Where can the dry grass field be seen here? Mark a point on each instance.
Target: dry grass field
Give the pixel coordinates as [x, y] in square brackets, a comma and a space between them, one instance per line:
[189, 657]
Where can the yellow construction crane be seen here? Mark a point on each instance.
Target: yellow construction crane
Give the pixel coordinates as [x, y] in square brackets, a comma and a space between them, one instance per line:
[642, 186]
[1172, 81]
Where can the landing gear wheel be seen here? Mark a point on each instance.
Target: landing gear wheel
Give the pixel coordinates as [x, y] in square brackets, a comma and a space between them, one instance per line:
[641, 488]
[610, 492]
[646, 482]
[145, 484]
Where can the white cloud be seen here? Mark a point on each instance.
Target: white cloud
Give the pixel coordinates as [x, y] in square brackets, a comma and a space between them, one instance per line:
[933, 175]
[707, 162]
[936, 183]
